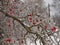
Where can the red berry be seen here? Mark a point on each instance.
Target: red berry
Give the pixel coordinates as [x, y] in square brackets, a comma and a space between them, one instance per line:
[10, 9]
[30, 18]
[9, 25]
[22, 41]
[34, 22]
[8, 40]
[30, 15]
[20, 10]
[14, 41]
[37, 20]
[10, 12]
[53, 29]
[45, 27]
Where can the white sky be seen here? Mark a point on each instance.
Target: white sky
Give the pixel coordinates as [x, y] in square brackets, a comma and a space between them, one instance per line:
[52, 10]
[49, 1]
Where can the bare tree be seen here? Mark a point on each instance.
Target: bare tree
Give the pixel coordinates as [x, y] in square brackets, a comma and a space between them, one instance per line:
[26, 22]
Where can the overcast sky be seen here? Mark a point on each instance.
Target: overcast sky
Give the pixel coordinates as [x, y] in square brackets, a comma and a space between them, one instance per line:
[52, 10]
